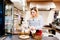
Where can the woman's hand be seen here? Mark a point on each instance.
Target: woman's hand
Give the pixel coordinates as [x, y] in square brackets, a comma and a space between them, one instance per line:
[32, 28]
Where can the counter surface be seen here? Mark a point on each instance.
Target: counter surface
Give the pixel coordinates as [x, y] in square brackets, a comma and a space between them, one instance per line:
[16, 37]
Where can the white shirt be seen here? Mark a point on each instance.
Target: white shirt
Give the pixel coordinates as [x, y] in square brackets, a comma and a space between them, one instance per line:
[36, 22]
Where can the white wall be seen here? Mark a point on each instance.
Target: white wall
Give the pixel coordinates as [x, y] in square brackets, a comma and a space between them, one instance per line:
[47, 15]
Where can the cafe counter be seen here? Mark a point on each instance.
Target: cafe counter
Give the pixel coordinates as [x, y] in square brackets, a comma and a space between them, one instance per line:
[16, 37]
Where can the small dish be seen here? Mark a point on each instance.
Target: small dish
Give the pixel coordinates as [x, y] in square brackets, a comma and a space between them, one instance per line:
[24, 36]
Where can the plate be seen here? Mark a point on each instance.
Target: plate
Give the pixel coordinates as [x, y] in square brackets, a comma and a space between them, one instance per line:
[24, 36]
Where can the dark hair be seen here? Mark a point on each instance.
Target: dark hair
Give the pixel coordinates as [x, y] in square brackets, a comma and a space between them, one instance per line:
[34, 8]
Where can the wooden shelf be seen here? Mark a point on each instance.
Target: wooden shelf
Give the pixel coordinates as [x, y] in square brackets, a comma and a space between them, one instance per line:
[39, 0]
[43, 0]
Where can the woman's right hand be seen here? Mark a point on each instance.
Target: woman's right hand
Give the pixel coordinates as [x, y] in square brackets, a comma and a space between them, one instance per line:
[32, 28]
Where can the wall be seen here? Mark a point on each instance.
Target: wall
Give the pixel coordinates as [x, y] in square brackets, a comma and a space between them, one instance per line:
[47, 16]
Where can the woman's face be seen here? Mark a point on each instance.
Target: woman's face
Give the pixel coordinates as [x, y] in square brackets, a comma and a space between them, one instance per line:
[33, 13]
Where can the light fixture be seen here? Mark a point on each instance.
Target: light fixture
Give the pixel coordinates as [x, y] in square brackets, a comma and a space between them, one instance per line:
[44, 6]
[52, 5]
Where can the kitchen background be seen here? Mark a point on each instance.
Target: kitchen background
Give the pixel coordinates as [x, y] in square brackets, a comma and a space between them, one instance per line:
[19, 11]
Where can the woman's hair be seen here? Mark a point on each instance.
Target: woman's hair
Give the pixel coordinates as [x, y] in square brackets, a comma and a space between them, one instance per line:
[35, 9]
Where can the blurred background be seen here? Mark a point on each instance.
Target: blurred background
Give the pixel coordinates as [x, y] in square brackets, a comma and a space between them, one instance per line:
[18, 11]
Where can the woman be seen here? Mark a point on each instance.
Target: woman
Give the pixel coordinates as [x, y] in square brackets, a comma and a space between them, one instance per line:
[36, 20]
